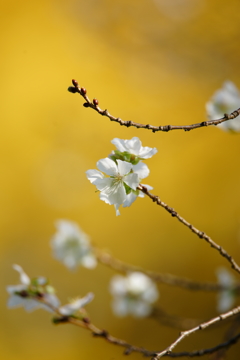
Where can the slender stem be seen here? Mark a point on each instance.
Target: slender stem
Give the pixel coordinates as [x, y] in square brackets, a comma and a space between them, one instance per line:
[173, 321]
[231, 332]
[94, 105]
[202, 326]
[169, 279]
[85, 323]
[199, 233]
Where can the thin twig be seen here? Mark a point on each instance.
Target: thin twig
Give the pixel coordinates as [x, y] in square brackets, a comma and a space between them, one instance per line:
[209, 351]
[173, 321]
[199, 233]
[169, 279]
[85, 323]
[94, 105]
[202, 326]
[231, 332]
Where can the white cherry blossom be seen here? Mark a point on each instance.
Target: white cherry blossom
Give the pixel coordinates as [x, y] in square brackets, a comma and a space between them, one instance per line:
[23, 293]
[121, 180]
[134, 146]
[225, 101]
[133, 294]
[71, 245]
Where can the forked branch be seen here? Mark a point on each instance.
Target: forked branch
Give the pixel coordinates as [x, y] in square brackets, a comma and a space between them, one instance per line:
[202, 326]
[96, 332]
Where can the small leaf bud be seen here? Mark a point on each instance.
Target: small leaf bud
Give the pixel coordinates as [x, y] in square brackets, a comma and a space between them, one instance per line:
[83, 91]
[95, 102]
[74, 82]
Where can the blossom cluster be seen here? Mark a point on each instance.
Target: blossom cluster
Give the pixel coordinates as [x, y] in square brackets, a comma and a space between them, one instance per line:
[72, 246]
[37, 293]
[133, 294]
[124, 171]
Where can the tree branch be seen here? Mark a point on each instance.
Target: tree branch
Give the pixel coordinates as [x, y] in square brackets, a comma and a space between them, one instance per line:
[199, 233]
[169, 279]
[94, 105]
[202, 326]
[85, 323]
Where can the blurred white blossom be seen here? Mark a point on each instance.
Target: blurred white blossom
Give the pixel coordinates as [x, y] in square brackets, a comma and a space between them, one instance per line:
[76, 305]
[133, 294]
[225, 298]
[71, 245]
[225, 101]
[28, 291]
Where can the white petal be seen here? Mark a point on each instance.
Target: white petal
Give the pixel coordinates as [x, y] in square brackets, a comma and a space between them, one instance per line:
[31, 304]
[130, 199]
[113, 194]
[117, 194]
[104, 198]
[120, 144]
[52, 300]
[107, 166]
[124, 167]
[93, 175]
[151, 294]
[104, 184]
[224, 276]
[141, 309]
[70, 261]
[138, 282]
[120, 307]
[89, 261]
[132, 180]
[24, 278]
[141, 169]
[15, 301]
[69, 309]
[147, 152]
[225, 301]
[134, 145]
[117, 209]
[118, 285]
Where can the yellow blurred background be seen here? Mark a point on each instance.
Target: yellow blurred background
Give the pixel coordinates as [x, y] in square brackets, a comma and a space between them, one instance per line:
[154, 62]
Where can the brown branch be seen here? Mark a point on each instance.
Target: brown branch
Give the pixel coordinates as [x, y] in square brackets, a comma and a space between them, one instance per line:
[173, 321]
[202, 326]
[199, 233]
[169, 279]
[85, 323]
[96, 332]
[202, 352]
[94, 105]
[231, 332]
